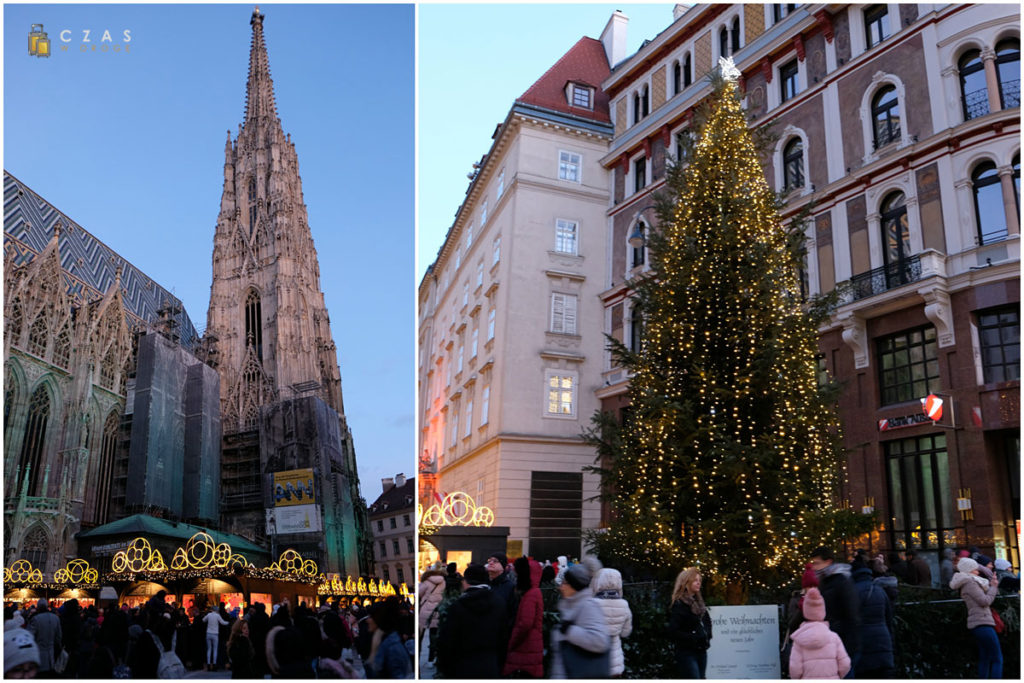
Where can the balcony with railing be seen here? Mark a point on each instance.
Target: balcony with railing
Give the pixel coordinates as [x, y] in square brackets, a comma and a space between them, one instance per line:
[975, 104]
[880, 280]
[1010, 94]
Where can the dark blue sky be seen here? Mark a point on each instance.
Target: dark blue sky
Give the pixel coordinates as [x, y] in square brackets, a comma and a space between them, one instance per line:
[130, 145]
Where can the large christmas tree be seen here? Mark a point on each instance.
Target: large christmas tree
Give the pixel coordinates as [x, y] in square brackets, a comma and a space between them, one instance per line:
[729, 455]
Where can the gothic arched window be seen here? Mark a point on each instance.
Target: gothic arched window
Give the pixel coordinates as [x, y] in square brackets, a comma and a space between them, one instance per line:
[252, 205]
[62, 347]
[988, 203]
[108, 369]
[973, 88]
[10, 391]
[33, 447]
[17, 319]
[105, 472]
[254, 322]
[37, 336]
[793, 164]
[36, 548]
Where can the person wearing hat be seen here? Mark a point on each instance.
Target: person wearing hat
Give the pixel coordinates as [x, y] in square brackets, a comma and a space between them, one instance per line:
[583, 631]
[21, 655]
[45, 628]
[818, 651]
[504, 586]
[474, 633]
[978, 593]
[1008, 581]
[842, 604]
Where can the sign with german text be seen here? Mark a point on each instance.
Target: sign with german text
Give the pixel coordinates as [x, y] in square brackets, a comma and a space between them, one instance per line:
[294, 487]
[745, 642]
[892, 423]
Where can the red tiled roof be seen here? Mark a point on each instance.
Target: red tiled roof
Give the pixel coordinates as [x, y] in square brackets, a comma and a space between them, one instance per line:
[585, 63]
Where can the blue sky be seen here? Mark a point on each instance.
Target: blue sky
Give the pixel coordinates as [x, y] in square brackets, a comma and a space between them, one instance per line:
[474, 61]
[131, 147]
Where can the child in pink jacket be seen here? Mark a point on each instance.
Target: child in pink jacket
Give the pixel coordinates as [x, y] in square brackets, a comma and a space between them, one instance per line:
[817, 651]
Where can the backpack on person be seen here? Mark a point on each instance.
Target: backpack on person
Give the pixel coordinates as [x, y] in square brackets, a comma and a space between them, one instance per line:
[169, 666]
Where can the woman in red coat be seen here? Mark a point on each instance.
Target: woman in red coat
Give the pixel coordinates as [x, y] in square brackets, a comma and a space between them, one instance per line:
[526, 644]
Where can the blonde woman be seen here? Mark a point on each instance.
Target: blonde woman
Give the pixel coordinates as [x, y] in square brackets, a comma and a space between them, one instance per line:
[689, 625]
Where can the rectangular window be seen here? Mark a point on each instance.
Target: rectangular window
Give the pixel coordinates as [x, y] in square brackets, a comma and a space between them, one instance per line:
[639, 174]
[458, 258]
[490, 324]
[563, 313]
[565, 236]
[908, 365]
[387, 574]
[465, 293]
[401, 574]
[455, 425]
[383, 549]
[485, 404]
[469, 237]
[393, 523]
[476, 338]
[496, 254]
[556, 513]
[501, 183]
[448, 373]
[479, 274]
[483, 213]
[999, 333]
[394, 546]
[380, 525]
[876, 24]
[408, 545]
[458, 365]
[561, 390]
[788, 80]
[822, 370]
[920, 494]
[581, 97]
[569, 166]
[469, 419]
[406, 520]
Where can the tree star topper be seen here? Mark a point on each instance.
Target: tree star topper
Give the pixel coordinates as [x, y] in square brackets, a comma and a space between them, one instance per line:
[728, 67]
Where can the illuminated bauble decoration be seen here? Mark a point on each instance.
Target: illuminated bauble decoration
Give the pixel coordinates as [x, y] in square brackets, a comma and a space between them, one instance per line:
[22, 571]
[139, 556]
[291, 562]
[77, 571]
[458, 509]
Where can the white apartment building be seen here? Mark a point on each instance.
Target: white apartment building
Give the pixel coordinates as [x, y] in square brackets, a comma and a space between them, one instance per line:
[511, 325]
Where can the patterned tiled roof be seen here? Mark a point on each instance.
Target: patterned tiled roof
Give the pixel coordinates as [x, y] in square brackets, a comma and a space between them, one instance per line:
[585, 63]
[89, 265]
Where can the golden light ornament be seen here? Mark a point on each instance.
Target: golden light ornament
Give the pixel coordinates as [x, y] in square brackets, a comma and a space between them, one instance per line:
[139, 556]
[76, 571]
[458, 509]
[22, 571]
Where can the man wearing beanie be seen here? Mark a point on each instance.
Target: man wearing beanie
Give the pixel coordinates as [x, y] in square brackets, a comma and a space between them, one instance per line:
[582, 628]
[21, 656]
[842, 604]
[817, 651]
[504, 587]
[472, 638]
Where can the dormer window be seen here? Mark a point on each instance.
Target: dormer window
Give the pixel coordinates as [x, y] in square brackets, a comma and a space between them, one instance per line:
[581, 96]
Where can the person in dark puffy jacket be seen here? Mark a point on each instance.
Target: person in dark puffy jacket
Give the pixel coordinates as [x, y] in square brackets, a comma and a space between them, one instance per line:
[842, 605]
[876, 626]
[689, 625]
[526, 642]
[473, 633]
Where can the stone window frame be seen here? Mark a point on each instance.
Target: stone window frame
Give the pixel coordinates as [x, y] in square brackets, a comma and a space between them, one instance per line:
[574, 389]
[575, 241]
[788, 134]
[879, 81]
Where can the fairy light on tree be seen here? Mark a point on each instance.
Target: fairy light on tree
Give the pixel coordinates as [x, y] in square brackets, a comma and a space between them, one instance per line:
[729, 455]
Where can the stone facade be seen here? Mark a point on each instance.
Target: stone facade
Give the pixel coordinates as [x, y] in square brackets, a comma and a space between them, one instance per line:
[393, 525]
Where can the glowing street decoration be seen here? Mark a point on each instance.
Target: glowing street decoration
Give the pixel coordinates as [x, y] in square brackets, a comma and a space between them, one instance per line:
[77, 571]
[202, 553]
[291, 562]
[22, 571]
[139, 556]
[457, 509]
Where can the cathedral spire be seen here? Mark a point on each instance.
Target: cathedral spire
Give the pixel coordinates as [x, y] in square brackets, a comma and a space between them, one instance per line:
[259, 90]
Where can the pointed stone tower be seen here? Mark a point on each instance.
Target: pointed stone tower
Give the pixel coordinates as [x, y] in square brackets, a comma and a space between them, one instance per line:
[269, 337]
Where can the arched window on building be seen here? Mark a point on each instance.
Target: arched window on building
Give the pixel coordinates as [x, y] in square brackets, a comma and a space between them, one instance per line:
[36, 548]
[105, 472]
[677, 77]
[254, 322]
[1016, 179]
[989, 211]
[108, 369]
[895, 240]
[723, 42]
[62, 347]
[37, 335]
[1008, 70]
[637, 255]
[736, 38]
[687, 71]
[252, 205]
[793, 164]
[33, 446]
[15, 322]
[885, 116]
[973, 89]
[635, 329]
[645, 101]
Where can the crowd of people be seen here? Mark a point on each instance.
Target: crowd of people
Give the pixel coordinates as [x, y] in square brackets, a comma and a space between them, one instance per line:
[161, 639]
[488, 622]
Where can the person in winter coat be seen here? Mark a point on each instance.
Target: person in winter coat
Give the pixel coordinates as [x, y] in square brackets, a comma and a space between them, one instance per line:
[818, 652]
[607, 588]
[388, 656]
[525, 656]
[45, 627]
[429, 594]
[213, 621]
[473, 632]
[842, 605]
[977, 594]
[946, 568]
[919, 574]
[876, 627]
[689, 625]
[563, 566]
[582, 623]
[241, 653]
